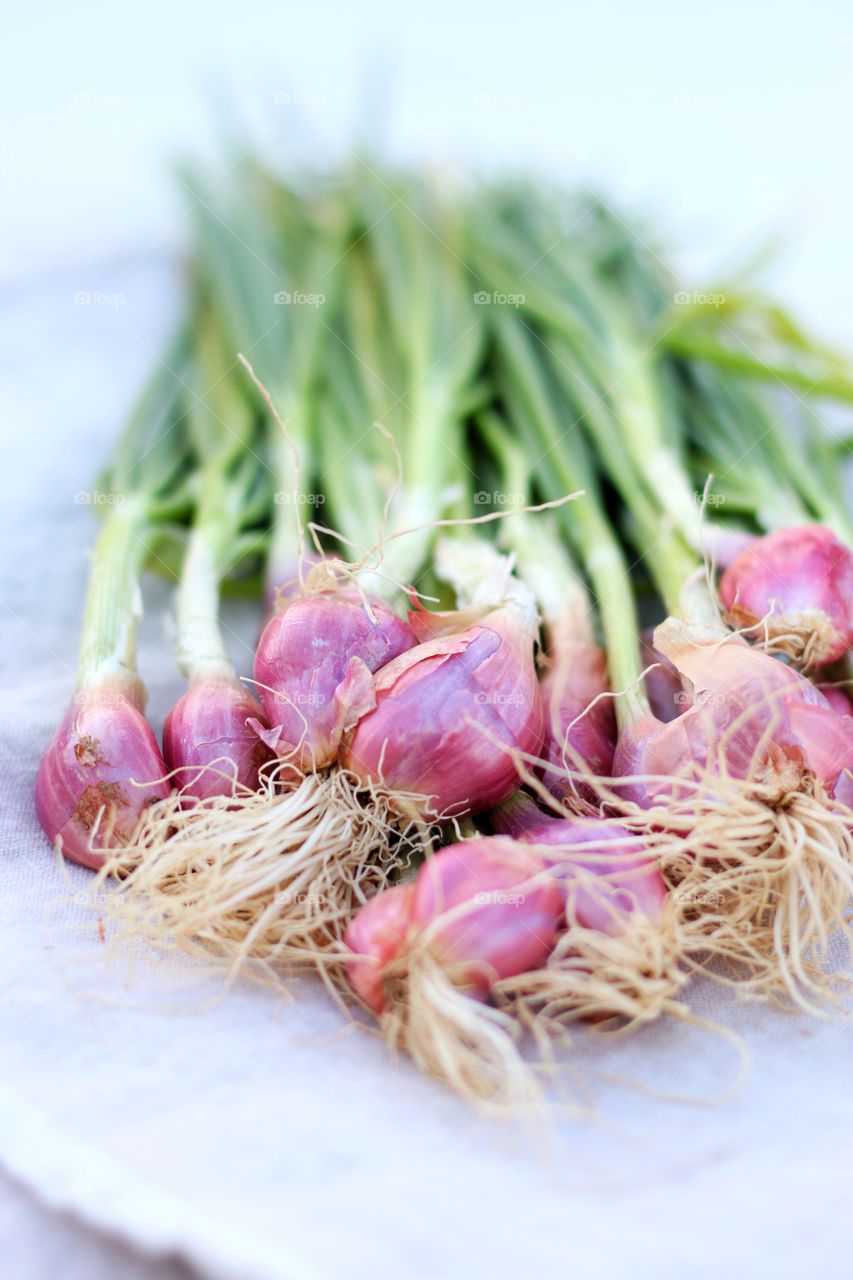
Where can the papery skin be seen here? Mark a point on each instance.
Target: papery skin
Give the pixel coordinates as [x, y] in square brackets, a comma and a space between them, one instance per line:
[444, 709]
[580, 717]
[802, 578]
[838, 698]
[284, 581]
[314, 672]
[627, 880]
[489, 911]
[483, 908]
[210, 726]
[101, 748]
[768, 721]
[666, 694]
[376, 936]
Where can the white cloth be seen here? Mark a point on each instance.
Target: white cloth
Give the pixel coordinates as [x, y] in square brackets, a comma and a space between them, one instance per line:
[272, 1142]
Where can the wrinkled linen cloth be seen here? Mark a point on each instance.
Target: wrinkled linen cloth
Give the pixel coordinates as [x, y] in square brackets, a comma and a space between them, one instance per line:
[271, 1140]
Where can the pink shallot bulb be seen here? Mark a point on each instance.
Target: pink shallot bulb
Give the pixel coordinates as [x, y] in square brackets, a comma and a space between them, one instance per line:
[483, 909]
[209, 739]
[667, 695]
[752, 716]
[376, 936]
[314, 671]
[450, 713]
[580, 717]
[798, 583]
[838, 698]
[101, 770]
[610, 877]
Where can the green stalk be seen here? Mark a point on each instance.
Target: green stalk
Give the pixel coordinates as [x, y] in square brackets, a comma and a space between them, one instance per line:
[147, 480]
[225, 436]
[561, 468]
[612, 372]
[113, 600]
[821, 381]
[263, 257]
[544, 562]
[402, 368]
[200, 647]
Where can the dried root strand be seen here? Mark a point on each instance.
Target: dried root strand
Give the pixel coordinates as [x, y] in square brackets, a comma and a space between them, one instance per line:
[616, 981]
[763, 887]
[760, 871]
[804, 637]
[471, 1046]
[267, 880]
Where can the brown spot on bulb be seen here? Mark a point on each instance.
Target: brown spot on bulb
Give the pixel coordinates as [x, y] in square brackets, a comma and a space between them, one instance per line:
[104, 796]
[88, 752]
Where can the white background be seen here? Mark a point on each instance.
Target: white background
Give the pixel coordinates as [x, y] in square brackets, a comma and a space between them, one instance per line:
[728, 123]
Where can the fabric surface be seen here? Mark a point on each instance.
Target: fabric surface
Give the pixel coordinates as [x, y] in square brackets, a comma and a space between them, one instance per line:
[272, 1141]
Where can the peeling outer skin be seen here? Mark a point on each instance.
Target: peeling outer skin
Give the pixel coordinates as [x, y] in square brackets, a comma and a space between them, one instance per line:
[769, 721]
[838, 698]
[575, 729]
[486, 911]
[795, 586]
[314, 671]
[376, 936]
[665, 691]
[621, 876]
[212, 736]
[447, 716]
[87, 781]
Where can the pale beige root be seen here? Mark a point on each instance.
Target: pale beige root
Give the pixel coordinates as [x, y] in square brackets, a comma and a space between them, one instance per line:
[762, 883]
[759, 868]
[267, 881]
[806, 637]
[619, 980]
[471, 1046]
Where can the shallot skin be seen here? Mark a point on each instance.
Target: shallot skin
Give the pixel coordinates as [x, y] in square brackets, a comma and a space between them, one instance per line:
[88, 784]
[376, 936]
[838, 698]
[314, 672]
[580, 717]
[448, 716]
[483, 909]
[752, 716]
[795, 581]
[609, 878]
[490, 911]
[208, 739]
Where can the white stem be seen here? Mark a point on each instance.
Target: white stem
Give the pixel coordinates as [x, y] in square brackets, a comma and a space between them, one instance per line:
[200, 650]
[480, 575]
